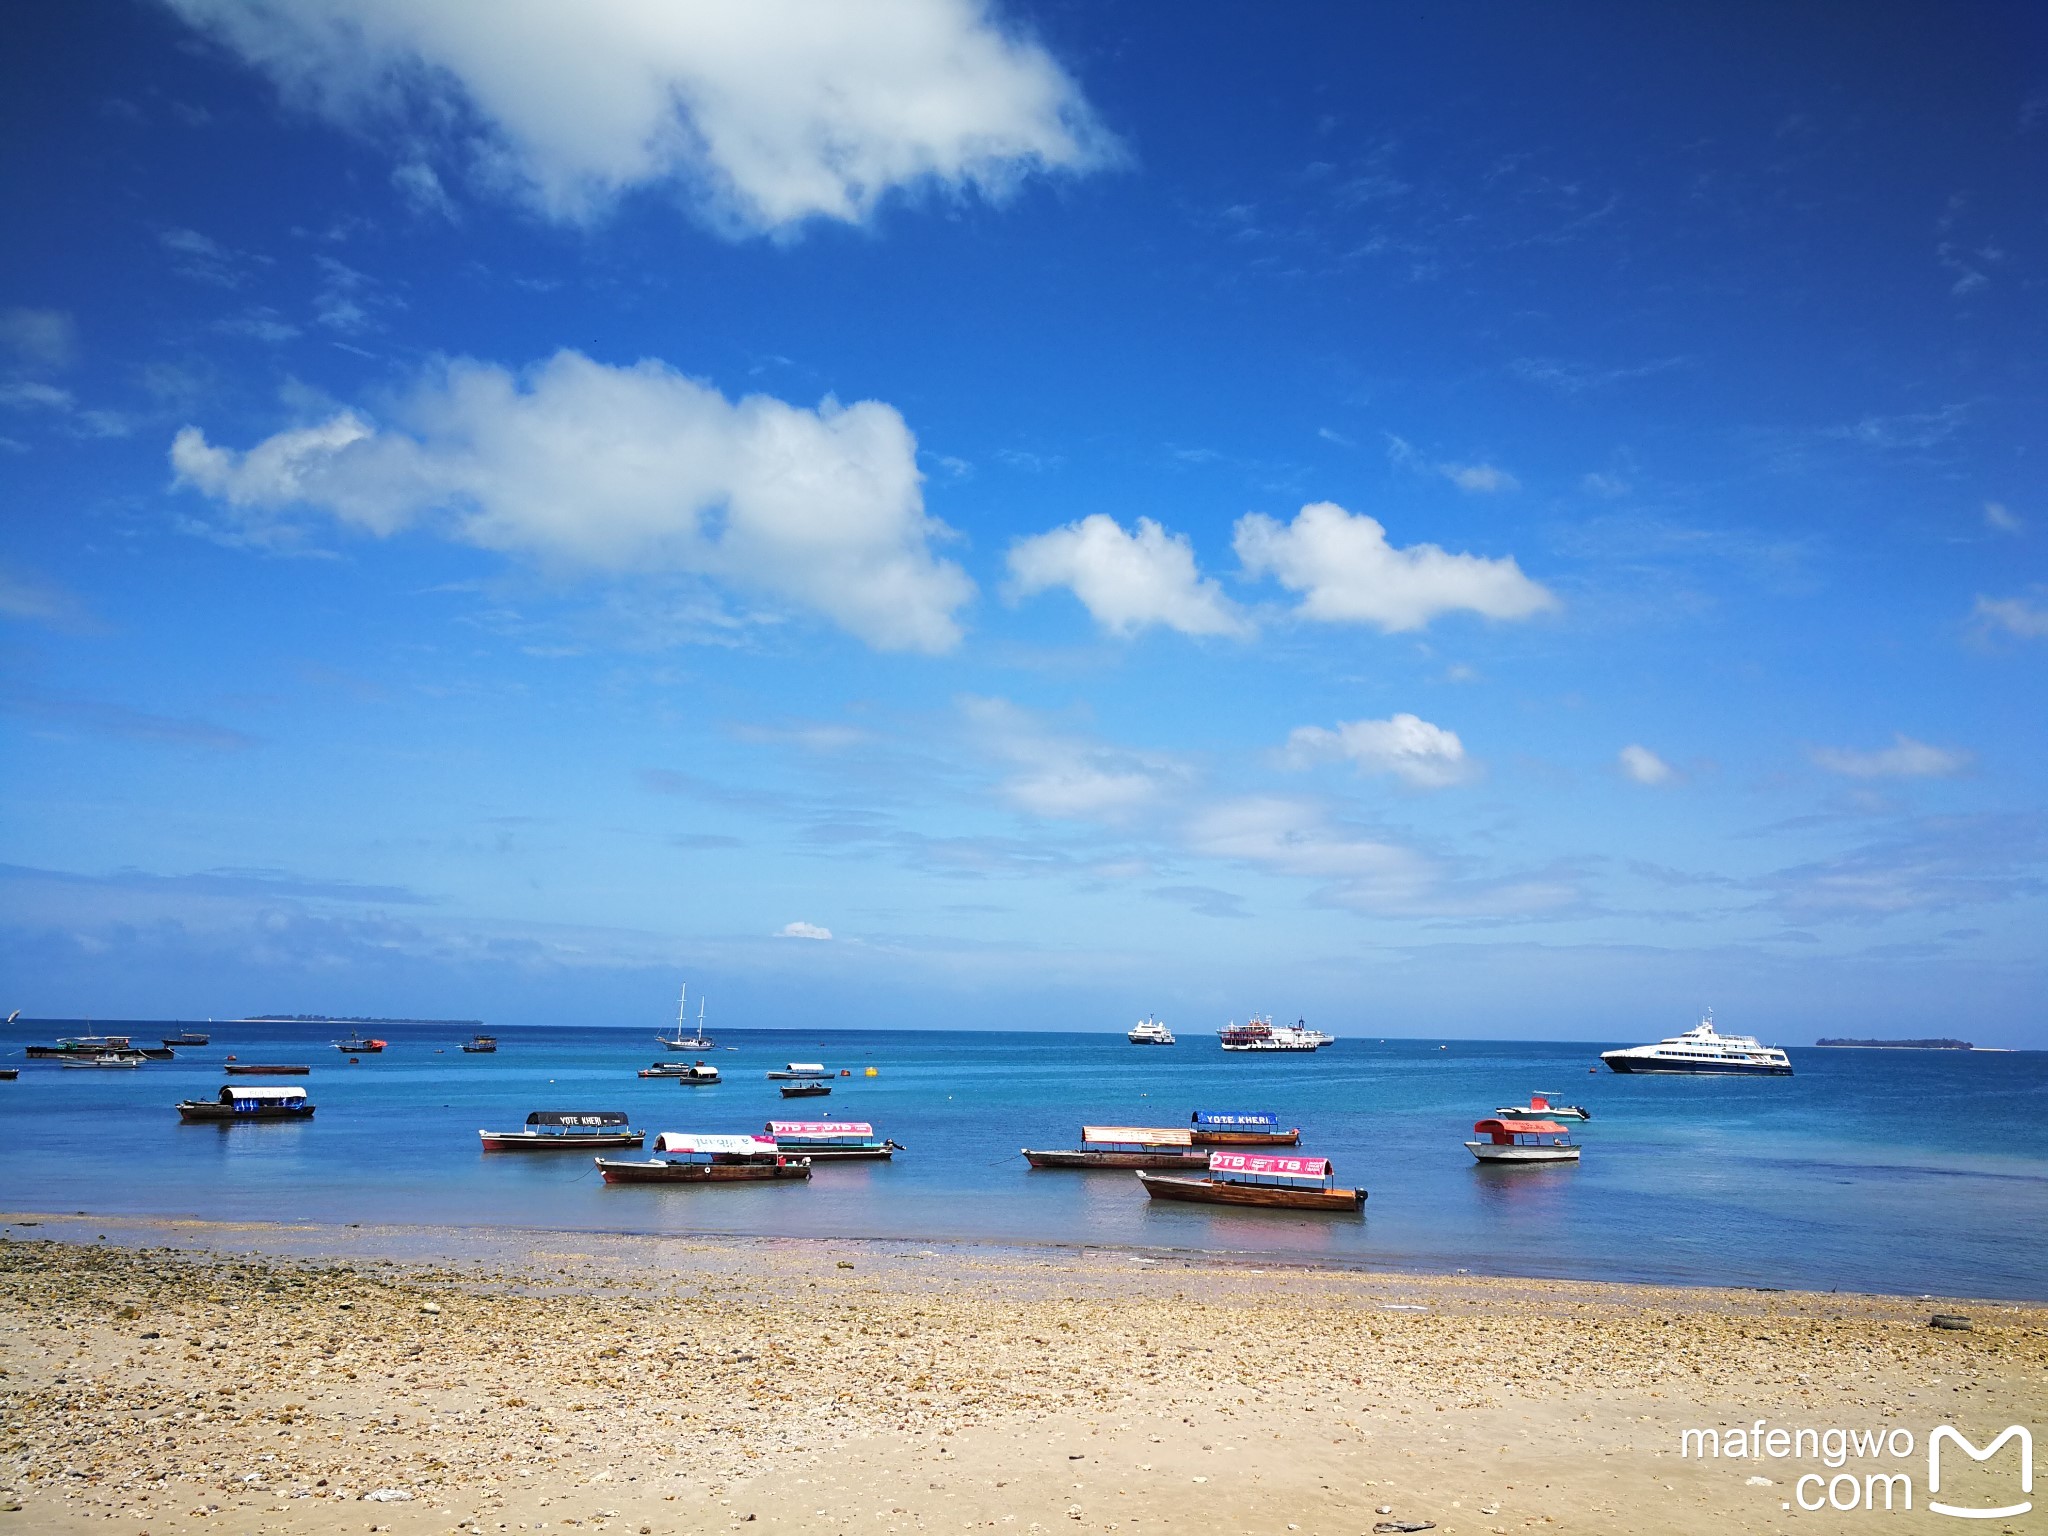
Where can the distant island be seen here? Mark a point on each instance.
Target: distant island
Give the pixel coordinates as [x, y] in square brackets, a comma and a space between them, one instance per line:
[1905, 1045]
[332, 1018]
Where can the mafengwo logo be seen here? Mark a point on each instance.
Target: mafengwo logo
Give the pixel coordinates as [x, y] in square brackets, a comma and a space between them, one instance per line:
[1869, 1469]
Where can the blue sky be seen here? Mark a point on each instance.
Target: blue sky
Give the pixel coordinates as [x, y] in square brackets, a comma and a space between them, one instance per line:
[1494, 521]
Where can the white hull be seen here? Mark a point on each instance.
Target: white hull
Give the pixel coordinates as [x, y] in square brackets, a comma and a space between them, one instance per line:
[1489, 1152]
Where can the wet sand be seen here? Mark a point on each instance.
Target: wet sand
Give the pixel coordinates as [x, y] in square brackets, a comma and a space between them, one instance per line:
[188, 1377]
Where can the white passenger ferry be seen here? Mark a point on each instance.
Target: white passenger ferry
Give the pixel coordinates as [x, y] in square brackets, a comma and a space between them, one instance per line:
[1703, 1049]
[1149, 1031]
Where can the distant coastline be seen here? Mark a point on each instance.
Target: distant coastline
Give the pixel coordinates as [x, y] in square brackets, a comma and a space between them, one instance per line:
[1903, 1045]
[335, 1018]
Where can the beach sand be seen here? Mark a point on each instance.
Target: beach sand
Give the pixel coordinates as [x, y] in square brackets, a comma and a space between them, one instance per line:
[183, 1377]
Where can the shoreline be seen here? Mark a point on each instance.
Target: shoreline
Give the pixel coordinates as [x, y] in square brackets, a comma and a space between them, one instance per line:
[415, 1243]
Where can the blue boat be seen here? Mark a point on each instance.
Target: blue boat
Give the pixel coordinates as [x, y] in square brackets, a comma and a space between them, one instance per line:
[1241, 1128]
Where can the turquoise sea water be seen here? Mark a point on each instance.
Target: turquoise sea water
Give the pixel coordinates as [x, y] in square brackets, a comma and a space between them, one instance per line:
[1897, 1171]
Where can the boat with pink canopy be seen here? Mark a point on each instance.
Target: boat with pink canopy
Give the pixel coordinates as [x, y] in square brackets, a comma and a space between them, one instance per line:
[1260, 1178]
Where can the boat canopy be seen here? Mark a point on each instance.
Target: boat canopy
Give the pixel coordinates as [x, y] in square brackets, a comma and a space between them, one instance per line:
[1235, 1120]
[237, 1093]
[1137, 1135]
[818, 1130]
[588, 1119]
[715, 1146]
[1504, 1131]
[805, 1066]
[1265, 1166]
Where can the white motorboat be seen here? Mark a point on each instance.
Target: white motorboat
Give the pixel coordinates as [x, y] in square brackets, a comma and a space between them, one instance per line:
[1539, 1107]
[1703, 1049]
[1523, 1141]
[1150, 1031]
[684, 1039]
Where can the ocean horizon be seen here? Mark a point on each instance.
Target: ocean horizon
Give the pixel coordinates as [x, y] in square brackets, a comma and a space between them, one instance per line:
[1884, 1171]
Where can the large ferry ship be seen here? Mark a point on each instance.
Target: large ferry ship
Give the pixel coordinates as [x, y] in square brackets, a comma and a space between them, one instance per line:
[1149, 1031]
[1703, 1049]
[1262, 1034]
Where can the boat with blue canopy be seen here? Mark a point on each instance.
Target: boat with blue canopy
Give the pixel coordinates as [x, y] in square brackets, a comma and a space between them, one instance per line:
[241, 1103]
[1241, 1128]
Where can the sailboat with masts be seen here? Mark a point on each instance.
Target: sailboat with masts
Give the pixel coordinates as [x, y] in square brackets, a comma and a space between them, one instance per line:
[684, 1039]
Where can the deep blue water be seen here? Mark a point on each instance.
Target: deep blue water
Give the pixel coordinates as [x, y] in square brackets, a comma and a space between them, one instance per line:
[1899, 1171]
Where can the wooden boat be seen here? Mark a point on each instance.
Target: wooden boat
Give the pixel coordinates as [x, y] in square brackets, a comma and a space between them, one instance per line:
[1523, 1141]
[9, 1074]
[682, 1159]
[238, 1105]
[358, 1045]
[1124, 1146]
[104, 1059]
[265, 1069]
[480, 1045]
[835, 1139]
[565, 1130]
[1241, 1128]
[98, 1045]
[805, 1090]
[689, 1071]
[799, 1069]
[190, 1037]
[1289, 1183]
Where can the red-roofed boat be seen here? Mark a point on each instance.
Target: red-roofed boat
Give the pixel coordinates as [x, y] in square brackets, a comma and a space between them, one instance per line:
[1523, 1141]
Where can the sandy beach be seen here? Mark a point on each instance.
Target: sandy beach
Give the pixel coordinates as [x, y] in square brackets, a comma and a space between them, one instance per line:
[173, 1377]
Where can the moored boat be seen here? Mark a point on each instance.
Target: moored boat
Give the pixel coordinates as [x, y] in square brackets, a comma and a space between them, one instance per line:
[566, 1130]
[238, 1104]
[798, 1069]
[98, 1045]
[480, 1045]
[1703, 1050]
[1539, 1107]
[1241, 1128]
[834, 1139]
[265, 1069]
[9, 1074]
[685, 1159]
[1261, 1034]
[808, 1090]
[1150, 1031]
[1523, 1141]
[1261, 1179]
[686, 1039]
[103, 1060]
[189, 1037]
[699, 1072]
[360, 1045]
[1124, 1146]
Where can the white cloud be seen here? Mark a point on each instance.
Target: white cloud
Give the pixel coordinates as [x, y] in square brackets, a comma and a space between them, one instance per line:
[764, 114]
[2002, 518]
[2015, 615]
[1425, 755]
[1063, 777]
[1294, 837]
[624, 470]
[802, 931]
[1126, 580]
[1480, 479]
[1905, 758]
[42, 339]
[1645, 766]
[1348, 573]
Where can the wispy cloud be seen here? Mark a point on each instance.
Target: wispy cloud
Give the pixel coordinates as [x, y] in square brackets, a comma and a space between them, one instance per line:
[1644, 766]
[99, 718]
[2021, 617]
[1905, 758]
[803, 930]
[1408, 747]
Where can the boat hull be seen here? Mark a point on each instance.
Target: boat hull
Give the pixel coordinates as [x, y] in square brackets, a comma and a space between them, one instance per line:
[1223, 1192]
[881, 1150]
[804, 1091]
[170, 1040]
[535, 1141]
[68, 1053]
[1088, 1157]
[1618, 1062]
[197, 1111]
[660, 1171]
[1490, 1152]
[1247, 1138]
[265, 1069]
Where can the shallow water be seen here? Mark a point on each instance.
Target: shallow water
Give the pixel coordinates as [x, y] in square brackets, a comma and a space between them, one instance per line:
[1901, 1171]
